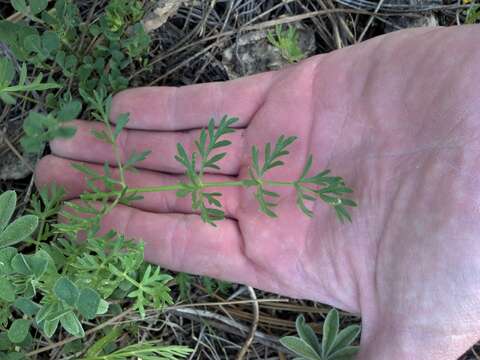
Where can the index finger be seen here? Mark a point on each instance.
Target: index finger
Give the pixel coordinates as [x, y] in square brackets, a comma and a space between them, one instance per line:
[189, 107]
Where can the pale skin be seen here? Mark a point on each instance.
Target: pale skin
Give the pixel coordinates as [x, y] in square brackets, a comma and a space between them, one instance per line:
[396, 117]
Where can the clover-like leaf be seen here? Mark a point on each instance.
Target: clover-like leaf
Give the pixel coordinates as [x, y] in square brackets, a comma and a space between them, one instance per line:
[20, 265]
[27, 306]
[69, 110]
[18, 331]
[6, 256]
[8, 200]
[50, 326]
[50, 41]
[20, 6]
[7, 290]
[18, 231]
[66, 291]
[88, 303]
[71, 324]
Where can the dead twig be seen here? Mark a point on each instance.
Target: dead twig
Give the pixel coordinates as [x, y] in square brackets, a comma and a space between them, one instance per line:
[243, 351]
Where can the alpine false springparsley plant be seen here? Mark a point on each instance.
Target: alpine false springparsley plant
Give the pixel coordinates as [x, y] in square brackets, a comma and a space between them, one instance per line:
[330, 189]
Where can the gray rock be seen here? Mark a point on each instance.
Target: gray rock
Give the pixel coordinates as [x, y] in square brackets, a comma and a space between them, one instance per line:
[405, 22]
[13, 168]
[253, 53]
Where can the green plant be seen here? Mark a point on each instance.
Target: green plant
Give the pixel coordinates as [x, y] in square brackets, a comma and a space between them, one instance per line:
[58, 285]
[9, 92]
[472, 14]
[185, 281]
[335, 345]
[330, 189]
[287, 42]
[82, 56]
[51, 284]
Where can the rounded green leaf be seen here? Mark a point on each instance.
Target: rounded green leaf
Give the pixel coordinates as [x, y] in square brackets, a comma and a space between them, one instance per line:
[50, 41]
[18, 330]
[26, 306]
[38, 262]
[49, 327]
[32, 43]
[19, 230]
[20, 265]
[102, 307]
[65, 132]
[5, 343]
[8, 201]
[69, 111]
[37, 6]
[71, 324]
[7, 290]
[6, 256]
[44, 312]
[66, 291]
[88, 303]
[32, 145]
[20, 6]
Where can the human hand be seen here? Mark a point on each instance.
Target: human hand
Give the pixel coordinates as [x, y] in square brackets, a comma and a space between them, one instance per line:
[396, 117]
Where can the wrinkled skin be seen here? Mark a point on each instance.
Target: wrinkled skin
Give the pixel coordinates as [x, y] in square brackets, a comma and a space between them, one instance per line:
[397, 117]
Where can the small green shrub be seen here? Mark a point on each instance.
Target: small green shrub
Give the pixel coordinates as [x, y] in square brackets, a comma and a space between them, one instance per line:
[472, 14]
[287, 42]
[335, 345]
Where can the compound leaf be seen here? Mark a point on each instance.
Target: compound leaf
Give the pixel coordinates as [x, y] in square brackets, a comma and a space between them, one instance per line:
[69, 111]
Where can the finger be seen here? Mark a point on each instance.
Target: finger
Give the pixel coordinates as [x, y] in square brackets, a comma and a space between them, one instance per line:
[84, 146]
[185, 243]
[189, 107]
[55, 169]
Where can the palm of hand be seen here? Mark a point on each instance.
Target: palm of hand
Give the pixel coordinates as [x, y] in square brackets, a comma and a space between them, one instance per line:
[393, 119]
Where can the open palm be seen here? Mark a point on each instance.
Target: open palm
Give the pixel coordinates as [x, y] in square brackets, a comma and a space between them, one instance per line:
[396, 117]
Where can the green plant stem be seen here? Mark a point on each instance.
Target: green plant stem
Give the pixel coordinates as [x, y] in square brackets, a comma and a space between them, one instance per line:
[40, 233]
[151, 189]
[25, 97]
